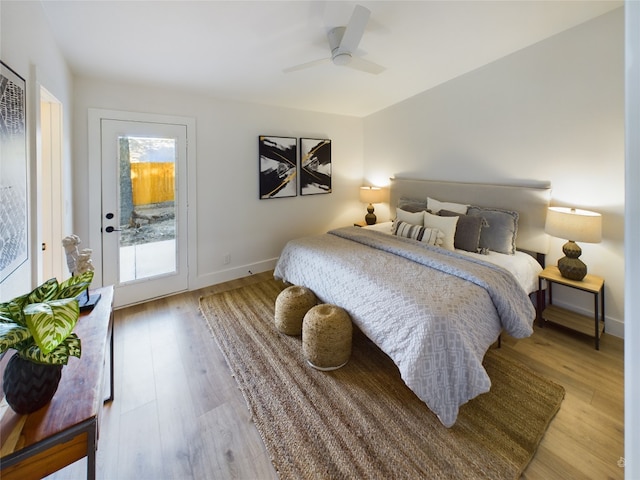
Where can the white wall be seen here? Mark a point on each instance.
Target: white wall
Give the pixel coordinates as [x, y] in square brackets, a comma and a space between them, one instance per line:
[632, 238]
[230, 217]
[27, 46]
[553, 111]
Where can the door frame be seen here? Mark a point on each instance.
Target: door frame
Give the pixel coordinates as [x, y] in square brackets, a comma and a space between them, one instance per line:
[95, 117]
[50, 202]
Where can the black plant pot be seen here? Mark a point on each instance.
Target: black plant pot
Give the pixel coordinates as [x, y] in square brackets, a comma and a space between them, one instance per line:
[29, 386]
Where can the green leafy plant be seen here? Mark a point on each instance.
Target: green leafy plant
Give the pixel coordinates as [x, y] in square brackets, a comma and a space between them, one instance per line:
[38, 325]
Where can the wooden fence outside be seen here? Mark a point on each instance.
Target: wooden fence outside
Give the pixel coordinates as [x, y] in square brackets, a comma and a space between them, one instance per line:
[153, 182]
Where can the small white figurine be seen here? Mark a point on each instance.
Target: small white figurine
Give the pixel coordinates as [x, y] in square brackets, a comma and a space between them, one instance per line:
[70, 244]
[83, 262]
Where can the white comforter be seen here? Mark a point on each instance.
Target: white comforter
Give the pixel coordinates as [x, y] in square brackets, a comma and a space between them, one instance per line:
[434, 312]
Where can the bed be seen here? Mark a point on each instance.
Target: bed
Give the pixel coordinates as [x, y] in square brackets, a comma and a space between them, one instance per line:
[434, 311]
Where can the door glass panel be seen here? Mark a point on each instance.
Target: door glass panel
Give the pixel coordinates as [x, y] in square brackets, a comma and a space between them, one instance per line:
[147, 221]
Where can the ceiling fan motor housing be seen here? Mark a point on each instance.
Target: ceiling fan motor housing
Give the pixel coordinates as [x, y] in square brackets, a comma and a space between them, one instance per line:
[339, 56]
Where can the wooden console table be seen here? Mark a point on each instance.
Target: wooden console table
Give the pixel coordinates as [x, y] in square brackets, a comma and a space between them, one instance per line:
[65, 430]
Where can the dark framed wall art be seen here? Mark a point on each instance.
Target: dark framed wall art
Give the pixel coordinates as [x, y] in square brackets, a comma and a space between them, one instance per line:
[14, 245]
[278, 166]
[315, 166]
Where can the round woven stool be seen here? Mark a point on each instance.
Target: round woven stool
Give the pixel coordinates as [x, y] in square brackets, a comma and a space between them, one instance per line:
[291, 305]
[326, 337]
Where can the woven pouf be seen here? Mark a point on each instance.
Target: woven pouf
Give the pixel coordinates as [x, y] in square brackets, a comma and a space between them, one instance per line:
[326, 337]
[291, 306]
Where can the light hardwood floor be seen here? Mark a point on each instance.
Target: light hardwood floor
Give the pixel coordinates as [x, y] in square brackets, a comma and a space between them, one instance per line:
[178, 414]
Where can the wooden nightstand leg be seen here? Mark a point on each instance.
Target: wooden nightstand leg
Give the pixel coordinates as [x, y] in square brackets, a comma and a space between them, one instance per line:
[597, 317]
[604, 323]
[540, 300]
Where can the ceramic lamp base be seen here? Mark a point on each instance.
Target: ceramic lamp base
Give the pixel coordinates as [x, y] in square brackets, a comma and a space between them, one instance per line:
[370, 218]
[571, 266]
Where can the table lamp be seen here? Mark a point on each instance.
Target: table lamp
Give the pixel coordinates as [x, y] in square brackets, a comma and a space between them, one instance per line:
[370, 195]
[575, 225]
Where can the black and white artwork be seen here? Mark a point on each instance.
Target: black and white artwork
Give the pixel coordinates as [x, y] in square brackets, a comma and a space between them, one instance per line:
[315, 166]
[13, 174]
[278, 166]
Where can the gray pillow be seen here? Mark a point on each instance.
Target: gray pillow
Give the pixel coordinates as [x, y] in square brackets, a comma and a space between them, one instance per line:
[500, 233]
[412, 205]
[468, 230]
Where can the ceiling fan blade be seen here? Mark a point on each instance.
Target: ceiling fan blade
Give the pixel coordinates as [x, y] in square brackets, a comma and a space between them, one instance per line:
[363, 65]
[306, 65]
[355, 28]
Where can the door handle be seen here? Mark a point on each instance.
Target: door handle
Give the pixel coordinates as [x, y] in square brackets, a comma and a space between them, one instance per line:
[110, 229]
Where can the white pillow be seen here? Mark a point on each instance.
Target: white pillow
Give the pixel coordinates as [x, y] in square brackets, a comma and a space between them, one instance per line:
[409, 217]
[434, 206]
[446, 225]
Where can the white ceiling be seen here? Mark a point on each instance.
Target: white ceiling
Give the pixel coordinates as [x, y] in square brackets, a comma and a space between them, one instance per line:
[238, 49]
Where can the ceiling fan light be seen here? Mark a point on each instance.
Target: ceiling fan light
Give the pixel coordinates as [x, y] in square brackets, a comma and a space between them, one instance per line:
[342, 58]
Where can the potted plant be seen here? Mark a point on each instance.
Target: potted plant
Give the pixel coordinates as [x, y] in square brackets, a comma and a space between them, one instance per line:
[39, 327]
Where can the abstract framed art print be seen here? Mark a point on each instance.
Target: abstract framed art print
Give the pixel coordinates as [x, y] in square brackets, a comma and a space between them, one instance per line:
[315, 166]
[278, 166]
[14, 245]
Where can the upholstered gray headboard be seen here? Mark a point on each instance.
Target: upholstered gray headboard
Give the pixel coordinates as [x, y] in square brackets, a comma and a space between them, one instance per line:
[530, 201]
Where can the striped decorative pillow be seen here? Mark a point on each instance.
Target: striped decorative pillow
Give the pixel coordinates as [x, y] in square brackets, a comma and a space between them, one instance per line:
[431, 236]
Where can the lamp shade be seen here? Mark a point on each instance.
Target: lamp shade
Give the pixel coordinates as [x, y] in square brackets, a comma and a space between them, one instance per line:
[370, 194]
[574, 224]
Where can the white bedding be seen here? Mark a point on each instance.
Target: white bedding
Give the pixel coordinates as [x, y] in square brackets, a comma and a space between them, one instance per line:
[434, 312]
[523, 266]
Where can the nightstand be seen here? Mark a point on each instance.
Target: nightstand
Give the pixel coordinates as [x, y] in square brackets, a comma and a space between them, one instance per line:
[561, 316]
[360, 224]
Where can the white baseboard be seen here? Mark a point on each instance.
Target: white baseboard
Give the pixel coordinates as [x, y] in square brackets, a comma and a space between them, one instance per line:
[221, 276]
[612, 326]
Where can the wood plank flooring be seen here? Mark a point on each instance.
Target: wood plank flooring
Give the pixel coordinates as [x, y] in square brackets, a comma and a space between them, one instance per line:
[178, 413]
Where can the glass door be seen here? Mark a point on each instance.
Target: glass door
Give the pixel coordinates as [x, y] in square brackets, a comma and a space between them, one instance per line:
[144, 209]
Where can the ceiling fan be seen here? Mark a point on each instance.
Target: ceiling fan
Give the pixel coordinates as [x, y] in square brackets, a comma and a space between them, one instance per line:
[343, 42]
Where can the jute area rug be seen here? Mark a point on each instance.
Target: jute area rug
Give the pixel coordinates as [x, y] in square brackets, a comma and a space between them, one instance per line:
[361, 421]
